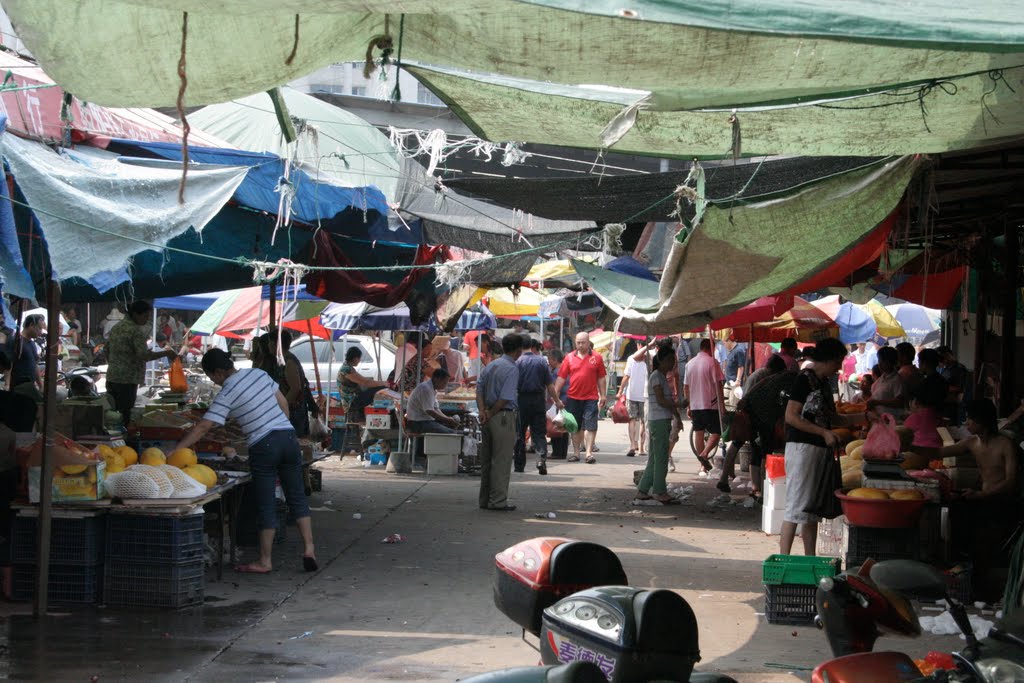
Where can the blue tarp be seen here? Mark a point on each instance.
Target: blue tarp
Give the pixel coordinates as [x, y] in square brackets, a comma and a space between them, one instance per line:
[15, 279]
[855, 325]
[627, 265]
[313, 200]
[188, 302]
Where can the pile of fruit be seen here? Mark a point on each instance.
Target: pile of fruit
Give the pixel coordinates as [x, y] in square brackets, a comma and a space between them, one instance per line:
[183, 460]
[885, 494]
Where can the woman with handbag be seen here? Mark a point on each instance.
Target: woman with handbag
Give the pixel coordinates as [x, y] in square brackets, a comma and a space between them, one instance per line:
[811, 443]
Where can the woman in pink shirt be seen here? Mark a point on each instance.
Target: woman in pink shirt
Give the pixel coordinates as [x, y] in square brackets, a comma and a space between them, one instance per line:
[925, 419]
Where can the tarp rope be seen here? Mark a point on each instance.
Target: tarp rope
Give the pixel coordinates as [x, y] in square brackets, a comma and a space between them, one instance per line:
[185, 128]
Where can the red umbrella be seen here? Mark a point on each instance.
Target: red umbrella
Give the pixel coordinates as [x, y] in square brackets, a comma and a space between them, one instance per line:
[804, 322]
[764, 310]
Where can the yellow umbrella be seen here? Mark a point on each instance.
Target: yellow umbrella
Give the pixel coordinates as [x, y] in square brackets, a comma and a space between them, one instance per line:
[504, 304]
[552, 270]
[888, 326]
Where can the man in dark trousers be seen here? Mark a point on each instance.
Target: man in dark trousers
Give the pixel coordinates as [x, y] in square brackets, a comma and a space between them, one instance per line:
[534, 386]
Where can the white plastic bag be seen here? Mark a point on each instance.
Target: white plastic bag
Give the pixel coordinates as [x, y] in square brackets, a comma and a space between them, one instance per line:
[318, 430]
[552, 412]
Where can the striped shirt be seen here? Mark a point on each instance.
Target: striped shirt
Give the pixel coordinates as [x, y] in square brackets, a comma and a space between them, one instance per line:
[247, 397]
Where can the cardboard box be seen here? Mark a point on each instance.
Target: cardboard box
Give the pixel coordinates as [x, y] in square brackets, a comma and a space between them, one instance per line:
[76, 475]
[378, 421]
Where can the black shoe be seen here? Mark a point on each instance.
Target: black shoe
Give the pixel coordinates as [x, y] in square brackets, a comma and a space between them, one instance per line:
[542, 468]
[631, 453]
[503, 508]
[519, 470]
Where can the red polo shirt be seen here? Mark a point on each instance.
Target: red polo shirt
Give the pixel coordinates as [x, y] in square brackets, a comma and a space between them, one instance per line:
[582, 374]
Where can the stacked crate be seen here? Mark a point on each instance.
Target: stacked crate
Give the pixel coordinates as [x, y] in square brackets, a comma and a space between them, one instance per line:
[155, 560]
[790, 587]
[76, 556]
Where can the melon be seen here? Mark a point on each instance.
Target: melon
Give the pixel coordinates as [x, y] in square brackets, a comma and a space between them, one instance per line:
[183, 457]
[73, 469]
[203, 474]
[852, 479]
[115, 461]
[906, 494]
[869, 493]
[854, 445]
[857, 453]
[153, 456]
[105, 451]
[129, 455]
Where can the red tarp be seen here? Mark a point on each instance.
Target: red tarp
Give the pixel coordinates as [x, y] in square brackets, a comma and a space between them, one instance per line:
[861, 254]
[934, 291]
[765, 309]
[805, 322]
[350, 286]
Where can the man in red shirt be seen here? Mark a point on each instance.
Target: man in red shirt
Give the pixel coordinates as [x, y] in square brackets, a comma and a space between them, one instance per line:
[588, 388]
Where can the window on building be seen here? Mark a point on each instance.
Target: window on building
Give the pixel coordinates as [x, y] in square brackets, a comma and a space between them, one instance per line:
[424, 96]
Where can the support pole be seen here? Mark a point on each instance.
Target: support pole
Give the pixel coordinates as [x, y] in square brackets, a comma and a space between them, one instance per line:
[272, 306]
[1008, 362]
[46, 469]
[316, 365]
[981, 311]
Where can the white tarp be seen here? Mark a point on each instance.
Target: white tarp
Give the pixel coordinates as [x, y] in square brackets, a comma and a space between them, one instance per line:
[96, 213]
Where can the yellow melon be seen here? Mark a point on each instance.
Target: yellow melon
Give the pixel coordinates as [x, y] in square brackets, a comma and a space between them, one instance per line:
[197, 474]
[210, 475]
[153, 456]
[853, 445]
[115, 461]
[105, 451]
[873, 494]
[129, 455]
[857, 453]
[183, 457]
[73, 469]
[906, 494]
[852, 478]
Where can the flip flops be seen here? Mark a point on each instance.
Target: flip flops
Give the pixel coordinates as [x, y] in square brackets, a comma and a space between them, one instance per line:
[573, 458]
[723, 487]
[591, 460]
[631, 453]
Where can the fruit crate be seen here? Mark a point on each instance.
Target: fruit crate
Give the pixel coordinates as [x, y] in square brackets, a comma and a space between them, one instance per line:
[147, 584]
[74, 540]
[797, 569]
[155, 538]
[791, 604]
[881, 544]
[70, 584]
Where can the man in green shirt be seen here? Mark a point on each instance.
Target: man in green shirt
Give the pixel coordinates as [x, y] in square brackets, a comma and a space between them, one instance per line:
[127, 354]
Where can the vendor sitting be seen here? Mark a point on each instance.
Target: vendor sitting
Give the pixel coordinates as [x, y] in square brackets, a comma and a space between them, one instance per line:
[423, 413]
[357, 391]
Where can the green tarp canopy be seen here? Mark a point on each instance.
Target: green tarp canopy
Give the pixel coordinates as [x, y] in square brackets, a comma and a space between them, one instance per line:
[926, 76]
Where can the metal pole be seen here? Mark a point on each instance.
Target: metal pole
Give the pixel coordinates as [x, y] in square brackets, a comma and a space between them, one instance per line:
[151, 372]
[316, 366]
[273, 305]
[981, 311]
[1008, 362]
[46, 469]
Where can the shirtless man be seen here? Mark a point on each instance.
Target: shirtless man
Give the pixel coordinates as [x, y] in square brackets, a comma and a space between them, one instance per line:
[996, 454]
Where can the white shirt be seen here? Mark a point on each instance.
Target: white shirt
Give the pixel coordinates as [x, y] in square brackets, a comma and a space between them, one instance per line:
[248, 397]
[655, 411]
[636, 371]
[422, 399]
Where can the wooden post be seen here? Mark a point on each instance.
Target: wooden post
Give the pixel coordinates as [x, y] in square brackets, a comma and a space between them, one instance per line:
[46, 470]
[1008, 362]
[272, 306]
[981, 311]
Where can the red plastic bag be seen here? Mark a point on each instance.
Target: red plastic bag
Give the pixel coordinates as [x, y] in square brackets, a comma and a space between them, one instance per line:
[620, 411]
[554, 431]
[883, 442]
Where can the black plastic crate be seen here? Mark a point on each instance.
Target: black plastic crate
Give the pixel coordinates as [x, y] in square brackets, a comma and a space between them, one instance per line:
[792, 604]
[141, 584]
[69, 584]
[155, 538]
[881, 544]
[74, 541]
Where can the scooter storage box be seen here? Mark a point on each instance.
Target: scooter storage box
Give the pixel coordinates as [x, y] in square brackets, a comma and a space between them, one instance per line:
[534, 574]
[632, 634]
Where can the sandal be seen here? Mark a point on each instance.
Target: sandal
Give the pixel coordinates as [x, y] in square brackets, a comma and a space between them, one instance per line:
[309, 563]
[631, 453]
[573, 458]
[705, 463]
[724, 487]
[591, 460]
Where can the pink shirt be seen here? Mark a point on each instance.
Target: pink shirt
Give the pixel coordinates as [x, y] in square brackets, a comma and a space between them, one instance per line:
[703, 375]
[925, 423]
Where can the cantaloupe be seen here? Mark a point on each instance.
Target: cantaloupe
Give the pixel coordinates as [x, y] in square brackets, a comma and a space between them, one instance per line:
[183, 457]
[852, 479]
[203, 474]
[906, 494]
[153, 456]
[129, 455]
[870, 493]
[853, 445]
[73, 469]
[115, 461]
[857, 453]
[105, 451]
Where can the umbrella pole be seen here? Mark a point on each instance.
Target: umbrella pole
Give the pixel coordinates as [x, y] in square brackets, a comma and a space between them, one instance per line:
[46, 469]
[721, 407]
[316, 365]
[151, 373]
[751, 361]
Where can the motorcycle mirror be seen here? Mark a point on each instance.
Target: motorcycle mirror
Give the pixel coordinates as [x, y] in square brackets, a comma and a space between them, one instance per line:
[910, 578]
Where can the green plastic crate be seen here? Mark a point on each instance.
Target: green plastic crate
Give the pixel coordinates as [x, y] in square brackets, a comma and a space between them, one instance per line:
[798, 569]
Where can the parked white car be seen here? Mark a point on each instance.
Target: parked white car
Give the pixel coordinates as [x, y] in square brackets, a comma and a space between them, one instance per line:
[377, 362]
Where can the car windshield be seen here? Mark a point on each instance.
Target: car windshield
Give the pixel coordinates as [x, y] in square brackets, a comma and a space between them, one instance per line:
[304, 353]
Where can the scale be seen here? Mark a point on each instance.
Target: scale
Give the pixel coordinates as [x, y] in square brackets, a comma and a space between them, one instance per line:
[885, 469]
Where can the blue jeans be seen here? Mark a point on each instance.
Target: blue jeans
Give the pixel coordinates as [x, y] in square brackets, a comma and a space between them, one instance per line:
[277, 456]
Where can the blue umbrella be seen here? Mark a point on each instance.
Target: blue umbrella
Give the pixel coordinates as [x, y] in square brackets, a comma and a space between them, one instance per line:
[855, 325]
[917, 321]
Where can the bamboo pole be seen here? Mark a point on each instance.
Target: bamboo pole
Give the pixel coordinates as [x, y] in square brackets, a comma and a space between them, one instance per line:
[46, 469]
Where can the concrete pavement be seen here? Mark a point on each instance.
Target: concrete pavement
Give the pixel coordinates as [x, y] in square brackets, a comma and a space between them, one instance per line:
[421, 610]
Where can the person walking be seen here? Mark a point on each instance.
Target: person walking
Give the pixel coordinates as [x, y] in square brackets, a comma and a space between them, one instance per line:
[704, 394]
[497, 391]
[127, 355]
[535, 387]
[662, 413]
[559, 443]
[634, 388]
[588, 386]
[252, 398]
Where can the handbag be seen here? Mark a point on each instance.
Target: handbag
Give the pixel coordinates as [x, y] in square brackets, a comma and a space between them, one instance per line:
[620, 411]
[824, 504]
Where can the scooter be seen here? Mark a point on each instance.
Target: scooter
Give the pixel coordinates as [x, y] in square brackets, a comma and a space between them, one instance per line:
[855, 607]
[590, 625]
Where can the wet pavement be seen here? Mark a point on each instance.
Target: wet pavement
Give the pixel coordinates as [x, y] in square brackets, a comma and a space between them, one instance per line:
[422, 609]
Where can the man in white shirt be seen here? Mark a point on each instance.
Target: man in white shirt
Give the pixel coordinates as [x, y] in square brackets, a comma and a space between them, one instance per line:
[634, 386]
[423, 412]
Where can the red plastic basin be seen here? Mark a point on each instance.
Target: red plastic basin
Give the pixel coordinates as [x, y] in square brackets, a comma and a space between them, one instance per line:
[878, 513]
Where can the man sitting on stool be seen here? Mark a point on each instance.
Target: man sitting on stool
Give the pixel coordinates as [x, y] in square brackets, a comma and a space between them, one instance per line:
[423, 413]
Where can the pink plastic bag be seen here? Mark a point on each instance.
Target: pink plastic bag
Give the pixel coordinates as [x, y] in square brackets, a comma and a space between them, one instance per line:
[883, 442]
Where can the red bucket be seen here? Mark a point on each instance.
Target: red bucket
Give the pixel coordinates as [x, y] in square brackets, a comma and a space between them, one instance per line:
[775, 466]
[880, 513]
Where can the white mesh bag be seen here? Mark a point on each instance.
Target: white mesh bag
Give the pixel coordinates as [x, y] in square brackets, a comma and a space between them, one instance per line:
[184, 485]
[166, 490]
[130, 483]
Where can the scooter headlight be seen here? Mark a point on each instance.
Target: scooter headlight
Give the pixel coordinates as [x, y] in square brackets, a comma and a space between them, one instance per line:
[999, 670]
